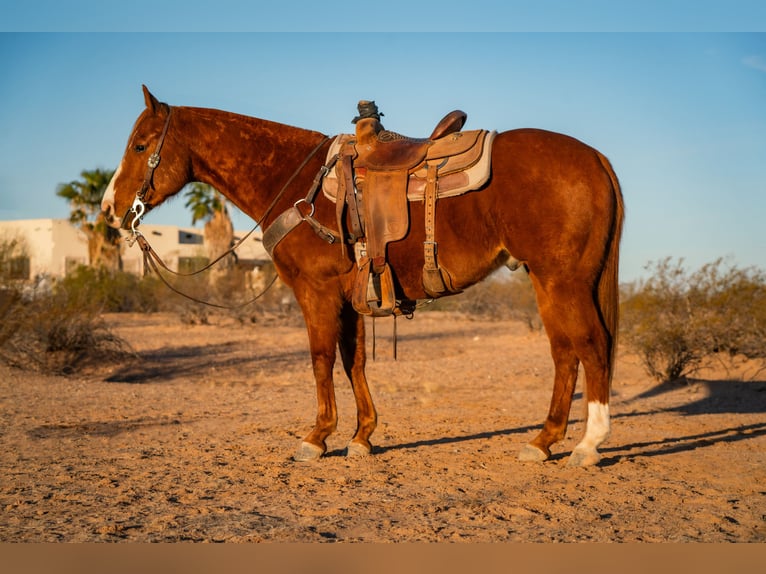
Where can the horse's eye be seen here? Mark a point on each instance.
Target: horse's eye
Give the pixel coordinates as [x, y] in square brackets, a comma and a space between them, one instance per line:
[139, 148]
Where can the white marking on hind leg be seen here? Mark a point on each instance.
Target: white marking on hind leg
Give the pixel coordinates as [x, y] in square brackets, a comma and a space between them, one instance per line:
[596, 432]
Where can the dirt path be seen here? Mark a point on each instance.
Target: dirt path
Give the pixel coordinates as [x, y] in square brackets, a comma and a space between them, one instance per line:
[195, 443]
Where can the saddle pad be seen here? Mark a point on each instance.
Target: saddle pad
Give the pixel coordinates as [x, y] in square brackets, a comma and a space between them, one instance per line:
[453, 183]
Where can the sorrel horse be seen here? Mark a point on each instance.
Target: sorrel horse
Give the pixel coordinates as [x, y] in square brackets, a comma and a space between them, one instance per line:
[552, 203]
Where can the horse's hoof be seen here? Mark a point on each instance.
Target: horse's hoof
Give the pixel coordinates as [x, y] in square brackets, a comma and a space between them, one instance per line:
[307, 452]
[531, 453]
[357, 449]
[582, 458]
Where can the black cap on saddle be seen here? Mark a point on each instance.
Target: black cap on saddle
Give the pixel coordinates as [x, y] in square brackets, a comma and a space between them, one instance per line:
[367, 109]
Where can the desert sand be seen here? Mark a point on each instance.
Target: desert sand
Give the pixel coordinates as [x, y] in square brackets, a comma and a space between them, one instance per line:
[193, 441]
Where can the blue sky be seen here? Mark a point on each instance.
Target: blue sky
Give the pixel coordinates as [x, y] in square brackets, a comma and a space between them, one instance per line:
[681, 114]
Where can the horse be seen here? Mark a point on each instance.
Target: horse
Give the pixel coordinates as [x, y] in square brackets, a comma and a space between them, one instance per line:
[552, 203]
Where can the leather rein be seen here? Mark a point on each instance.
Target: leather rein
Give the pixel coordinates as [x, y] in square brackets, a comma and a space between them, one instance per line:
[138, 209]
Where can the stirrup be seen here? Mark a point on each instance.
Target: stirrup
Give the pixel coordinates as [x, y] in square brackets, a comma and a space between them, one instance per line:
[373, 292]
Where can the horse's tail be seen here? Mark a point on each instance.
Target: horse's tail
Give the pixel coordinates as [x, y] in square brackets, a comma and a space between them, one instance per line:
[608, 284]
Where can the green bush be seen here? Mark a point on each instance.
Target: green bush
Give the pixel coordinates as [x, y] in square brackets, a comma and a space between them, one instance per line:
[677, 319]
[114, 291]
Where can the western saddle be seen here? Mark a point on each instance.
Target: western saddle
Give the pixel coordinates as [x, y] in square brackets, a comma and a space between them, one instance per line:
[376, 172]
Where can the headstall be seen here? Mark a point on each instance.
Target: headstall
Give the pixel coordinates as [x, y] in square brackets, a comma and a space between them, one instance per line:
[139, 206]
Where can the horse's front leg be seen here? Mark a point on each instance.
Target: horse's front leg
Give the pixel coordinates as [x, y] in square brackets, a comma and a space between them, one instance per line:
[353, 353]
[322, 322]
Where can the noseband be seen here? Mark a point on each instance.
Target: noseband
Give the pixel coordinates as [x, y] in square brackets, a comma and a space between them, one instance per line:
[139, 206]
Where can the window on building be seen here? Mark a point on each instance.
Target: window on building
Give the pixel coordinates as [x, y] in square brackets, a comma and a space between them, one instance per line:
[188, 238]
[18, 268]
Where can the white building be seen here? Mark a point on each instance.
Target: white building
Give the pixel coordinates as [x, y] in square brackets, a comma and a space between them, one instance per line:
[43, 247]
[54, 247]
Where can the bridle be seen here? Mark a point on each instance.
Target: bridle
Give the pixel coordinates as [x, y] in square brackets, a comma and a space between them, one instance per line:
[139, 206]
[138, 209]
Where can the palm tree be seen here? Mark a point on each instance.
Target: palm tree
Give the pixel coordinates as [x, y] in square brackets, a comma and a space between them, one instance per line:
[84, 197]
[209, 205]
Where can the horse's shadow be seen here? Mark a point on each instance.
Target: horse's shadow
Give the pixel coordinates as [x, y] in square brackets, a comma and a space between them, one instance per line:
[721, 396]
[190, 361]
[682, 443]
[453, 439]
[101, 428]
[732, 397]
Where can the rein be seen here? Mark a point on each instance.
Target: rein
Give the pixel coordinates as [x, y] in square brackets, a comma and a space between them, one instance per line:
[138, 209]
[151, 257]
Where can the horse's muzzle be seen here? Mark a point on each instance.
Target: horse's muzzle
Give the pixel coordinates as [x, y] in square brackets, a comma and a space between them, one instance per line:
[107, 212]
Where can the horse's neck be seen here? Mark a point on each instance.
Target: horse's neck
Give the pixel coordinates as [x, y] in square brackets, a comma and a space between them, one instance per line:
[245, 158]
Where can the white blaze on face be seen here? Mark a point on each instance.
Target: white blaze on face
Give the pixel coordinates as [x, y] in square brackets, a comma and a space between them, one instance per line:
[107, 202]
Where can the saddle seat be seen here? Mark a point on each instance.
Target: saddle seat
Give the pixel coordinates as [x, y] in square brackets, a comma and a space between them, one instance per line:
[382, 149]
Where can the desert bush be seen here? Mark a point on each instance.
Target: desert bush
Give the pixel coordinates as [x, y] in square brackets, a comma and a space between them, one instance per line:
[57, 329]
[114, 291]
[676, 319]
[59, 332]
[277, 305]
[501, 297]
[246, 297]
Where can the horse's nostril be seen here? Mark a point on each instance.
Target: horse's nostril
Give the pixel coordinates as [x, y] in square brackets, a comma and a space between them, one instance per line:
[107, 210]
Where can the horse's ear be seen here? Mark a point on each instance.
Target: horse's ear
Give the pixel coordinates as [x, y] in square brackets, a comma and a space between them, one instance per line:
[151, 102]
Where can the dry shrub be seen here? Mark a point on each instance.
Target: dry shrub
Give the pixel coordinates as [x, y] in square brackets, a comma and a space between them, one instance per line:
[677, 320]
[60, 332]
[113, 291]
[56, 327]
[249, 298]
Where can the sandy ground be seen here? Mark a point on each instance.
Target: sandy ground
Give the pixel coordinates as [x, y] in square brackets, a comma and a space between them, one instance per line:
[194, 443]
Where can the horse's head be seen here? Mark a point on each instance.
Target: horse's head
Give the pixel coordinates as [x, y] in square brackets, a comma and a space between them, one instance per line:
[151, 169]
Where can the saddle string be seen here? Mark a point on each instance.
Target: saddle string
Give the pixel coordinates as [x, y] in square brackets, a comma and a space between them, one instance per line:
[394, 337]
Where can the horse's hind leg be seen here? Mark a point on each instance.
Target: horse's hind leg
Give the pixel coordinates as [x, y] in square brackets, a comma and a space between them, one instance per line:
[571, 310]
[353, 354]
[592, 344]
[566, 364]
